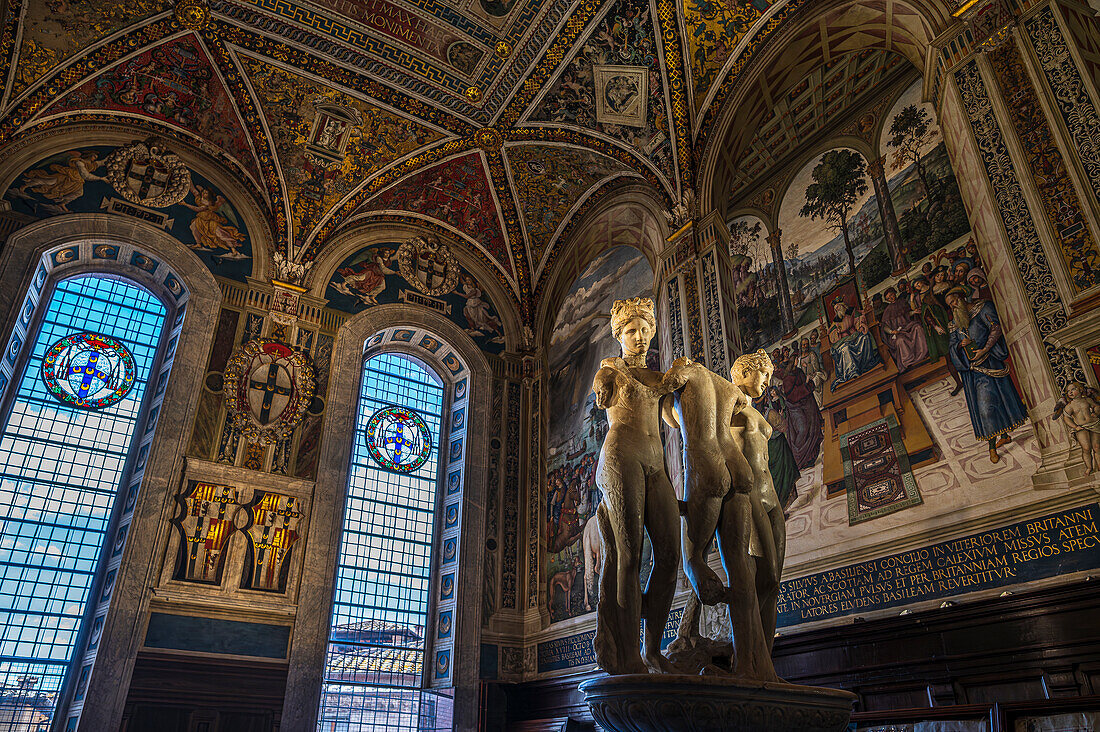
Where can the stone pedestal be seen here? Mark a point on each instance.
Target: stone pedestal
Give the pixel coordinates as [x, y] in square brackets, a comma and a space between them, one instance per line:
[667, 703]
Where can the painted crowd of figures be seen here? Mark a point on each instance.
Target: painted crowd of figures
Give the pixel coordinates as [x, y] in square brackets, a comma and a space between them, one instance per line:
[943, 313]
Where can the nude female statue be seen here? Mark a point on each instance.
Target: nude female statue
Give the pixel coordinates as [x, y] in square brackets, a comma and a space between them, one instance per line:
[728, 490]
[638, 495]
[751, 373]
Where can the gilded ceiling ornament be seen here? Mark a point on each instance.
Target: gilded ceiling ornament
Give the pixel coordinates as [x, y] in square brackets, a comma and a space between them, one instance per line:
[428, 265]
[268, 387]
[192, 14]
[332, 128]
[504, 50]
[473, 94]
[147, 174]
[488, 139]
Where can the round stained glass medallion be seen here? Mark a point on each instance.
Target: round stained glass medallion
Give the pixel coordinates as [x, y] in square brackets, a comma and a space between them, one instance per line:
[398, 439]
[88, 370]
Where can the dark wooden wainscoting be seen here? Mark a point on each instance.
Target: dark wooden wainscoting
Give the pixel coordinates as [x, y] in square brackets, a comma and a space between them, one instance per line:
[172, 692]
[1028, 654]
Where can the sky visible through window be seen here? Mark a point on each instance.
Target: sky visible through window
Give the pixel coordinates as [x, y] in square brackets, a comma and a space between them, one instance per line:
[376, 646]
[60, 468]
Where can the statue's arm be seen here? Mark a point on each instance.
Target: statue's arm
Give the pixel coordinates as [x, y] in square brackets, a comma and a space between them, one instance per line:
[676, 376]
[605, 387]
[668, 413]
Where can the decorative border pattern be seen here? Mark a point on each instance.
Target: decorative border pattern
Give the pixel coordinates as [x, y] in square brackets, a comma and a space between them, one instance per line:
[1056, 190]
[510, 551]
[716, 342]
[695, 332]
[675, 317]
[1031, 261]
[521, 266]
[534, 485]
[674, 70]
[430, 82]
[1064, 79]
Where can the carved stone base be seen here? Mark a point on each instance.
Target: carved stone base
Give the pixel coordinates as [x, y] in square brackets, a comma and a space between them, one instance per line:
[667, 703]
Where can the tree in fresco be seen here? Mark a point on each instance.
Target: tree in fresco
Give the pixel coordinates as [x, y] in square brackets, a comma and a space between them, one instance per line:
[910, 129]
[839, 180]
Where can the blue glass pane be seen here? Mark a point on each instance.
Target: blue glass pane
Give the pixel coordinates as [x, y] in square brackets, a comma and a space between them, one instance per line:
[60, 466]
[376, 645]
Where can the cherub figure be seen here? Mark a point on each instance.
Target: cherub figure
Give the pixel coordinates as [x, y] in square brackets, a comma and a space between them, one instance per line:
[1081, 416]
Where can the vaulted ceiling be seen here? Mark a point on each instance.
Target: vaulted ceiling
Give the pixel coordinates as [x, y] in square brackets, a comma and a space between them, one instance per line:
[498, 122]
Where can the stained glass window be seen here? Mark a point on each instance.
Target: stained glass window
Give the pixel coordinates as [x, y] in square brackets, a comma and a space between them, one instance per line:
[373, 675]
[60, 467]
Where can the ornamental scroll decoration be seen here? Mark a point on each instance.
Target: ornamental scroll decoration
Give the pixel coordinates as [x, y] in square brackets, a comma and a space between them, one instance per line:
[268, 387]
[428, 265]
[1074, 103]
[1031, 261]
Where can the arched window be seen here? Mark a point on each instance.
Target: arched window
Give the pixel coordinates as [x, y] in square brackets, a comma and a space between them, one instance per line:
[69, 439]
[375, 676]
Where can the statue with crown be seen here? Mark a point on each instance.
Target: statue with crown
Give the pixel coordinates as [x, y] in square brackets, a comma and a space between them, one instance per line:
[698, 683]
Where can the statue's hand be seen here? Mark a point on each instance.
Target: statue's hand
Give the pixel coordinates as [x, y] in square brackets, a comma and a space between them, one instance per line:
[676, 376]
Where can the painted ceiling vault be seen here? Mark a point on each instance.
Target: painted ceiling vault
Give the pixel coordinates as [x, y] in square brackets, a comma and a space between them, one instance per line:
[498, 122]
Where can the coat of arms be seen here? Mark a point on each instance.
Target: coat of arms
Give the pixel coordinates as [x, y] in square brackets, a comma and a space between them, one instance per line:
[268, 387]
[428, 265]
[147, 174]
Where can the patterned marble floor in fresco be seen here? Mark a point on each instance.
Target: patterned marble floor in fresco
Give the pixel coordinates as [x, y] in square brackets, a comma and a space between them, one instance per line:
[962, 476]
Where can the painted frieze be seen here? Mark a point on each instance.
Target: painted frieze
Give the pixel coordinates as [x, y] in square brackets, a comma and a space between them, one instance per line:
[430, 277]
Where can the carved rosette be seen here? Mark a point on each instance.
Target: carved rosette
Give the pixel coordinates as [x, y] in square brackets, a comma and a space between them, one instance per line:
[268, 387]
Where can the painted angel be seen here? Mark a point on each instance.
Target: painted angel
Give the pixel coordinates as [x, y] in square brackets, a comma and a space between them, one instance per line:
[211, 227]
[61, 184]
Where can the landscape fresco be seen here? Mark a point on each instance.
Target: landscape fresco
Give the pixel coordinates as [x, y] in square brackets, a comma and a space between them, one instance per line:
[814, 254]
[897, 330]
[580, 340]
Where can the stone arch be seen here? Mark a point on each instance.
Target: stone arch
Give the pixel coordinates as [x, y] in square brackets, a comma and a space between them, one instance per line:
[591, 236]
[311, 630]
[145, 546]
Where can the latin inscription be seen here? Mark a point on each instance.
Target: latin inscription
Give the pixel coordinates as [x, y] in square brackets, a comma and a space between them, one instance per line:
[1057, 544]
[1053, 545]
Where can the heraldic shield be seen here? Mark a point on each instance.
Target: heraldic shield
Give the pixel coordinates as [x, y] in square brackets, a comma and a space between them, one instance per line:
[268, 387]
